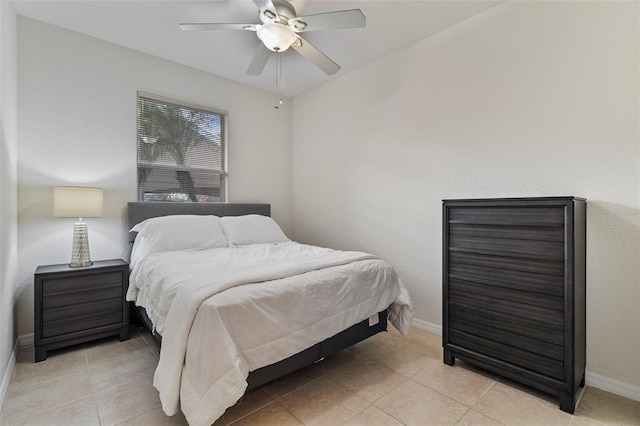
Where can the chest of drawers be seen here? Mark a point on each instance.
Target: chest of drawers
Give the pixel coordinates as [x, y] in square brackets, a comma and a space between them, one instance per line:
[514, 289]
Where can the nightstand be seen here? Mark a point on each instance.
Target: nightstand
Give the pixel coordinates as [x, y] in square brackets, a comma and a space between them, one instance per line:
[75, 305]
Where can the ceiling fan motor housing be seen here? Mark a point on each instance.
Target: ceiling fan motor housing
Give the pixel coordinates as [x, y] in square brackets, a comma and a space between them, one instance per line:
[283, 9]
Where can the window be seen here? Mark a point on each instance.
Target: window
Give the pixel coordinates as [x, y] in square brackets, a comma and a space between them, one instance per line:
[180, 151]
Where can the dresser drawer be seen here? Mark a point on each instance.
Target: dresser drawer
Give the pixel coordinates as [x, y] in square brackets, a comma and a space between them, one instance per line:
[515, 356]
[548, 266]
[517, 311]
[508, 332]
[527, 281]
[511, 216]
[524, 328]
[501, 321]
[470, 288]
[552, 233]
[534, 249]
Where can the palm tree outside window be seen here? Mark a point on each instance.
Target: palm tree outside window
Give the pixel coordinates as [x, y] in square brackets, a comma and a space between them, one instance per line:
[180, 151]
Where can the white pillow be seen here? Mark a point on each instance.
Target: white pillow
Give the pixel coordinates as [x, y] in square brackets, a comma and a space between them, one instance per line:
[176, 232]
[252, 229]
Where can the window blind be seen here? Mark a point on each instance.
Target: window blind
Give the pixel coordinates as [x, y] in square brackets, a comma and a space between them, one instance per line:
[180, 151]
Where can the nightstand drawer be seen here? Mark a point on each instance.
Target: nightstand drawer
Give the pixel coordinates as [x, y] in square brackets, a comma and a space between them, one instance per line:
[74, 298]
[75, 284]
[78, 310]
[80, 323]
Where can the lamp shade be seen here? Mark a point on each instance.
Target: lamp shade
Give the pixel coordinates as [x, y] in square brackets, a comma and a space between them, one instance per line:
[76, 201]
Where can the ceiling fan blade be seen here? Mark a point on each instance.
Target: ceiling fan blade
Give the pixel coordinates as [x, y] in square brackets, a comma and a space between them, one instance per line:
[353, 18]
[207, 27]
[259, 60]
[310, 52]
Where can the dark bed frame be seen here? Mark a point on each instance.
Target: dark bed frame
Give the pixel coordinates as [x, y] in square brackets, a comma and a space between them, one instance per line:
[138, 212]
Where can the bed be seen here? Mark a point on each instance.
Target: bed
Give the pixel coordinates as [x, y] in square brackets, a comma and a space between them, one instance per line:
[246, 305]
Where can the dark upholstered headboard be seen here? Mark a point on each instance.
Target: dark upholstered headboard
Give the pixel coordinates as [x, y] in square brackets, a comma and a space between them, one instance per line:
[138, 212]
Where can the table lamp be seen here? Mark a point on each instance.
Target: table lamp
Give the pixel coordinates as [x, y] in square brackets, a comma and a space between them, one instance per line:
[80, 202]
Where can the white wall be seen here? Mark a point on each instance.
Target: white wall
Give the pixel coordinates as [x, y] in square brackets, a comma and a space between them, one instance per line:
[8, 189]
[77, 126]
[526, 99]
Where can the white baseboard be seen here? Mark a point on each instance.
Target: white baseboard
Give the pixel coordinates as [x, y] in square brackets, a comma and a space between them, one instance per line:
[591, 379]
[8, 373]
[614, 386]
[26, 340]
[427, 326]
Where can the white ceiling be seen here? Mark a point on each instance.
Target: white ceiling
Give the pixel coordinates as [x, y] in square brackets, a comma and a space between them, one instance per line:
[152, 27]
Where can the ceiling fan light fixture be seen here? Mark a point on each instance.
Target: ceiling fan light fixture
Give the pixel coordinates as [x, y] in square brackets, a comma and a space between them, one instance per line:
[276, 36]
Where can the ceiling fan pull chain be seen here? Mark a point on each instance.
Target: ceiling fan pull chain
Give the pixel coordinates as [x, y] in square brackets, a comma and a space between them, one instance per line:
[278, 76]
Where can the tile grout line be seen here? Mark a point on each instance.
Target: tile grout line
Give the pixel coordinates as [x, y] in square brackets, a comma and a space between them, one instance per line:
[446, 396]
[359, 412]
[390, 390]
[579, 400]
[91, 381]
[486, 391]
[482, 396]
[469, 406]
[574, 416]
[276, 399]
[462, 417]
[126, 421]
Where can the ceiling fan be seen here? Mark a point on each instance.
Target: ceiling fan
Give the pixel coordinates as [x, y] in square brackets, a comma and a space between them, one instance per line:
[280, 30]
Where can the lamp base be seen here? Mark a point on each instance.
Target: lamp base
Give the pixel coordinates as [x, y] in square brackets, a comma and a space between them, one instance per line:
[80, 251]
[80, 264]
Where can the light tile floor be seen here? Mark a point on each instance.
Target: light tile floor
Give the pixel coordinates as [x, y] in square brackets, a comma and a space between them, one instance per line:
[386, 380]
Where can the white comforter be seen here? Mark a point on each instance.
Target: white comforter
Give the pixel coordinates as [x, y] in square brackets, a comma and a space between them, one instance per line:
[225, 312]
